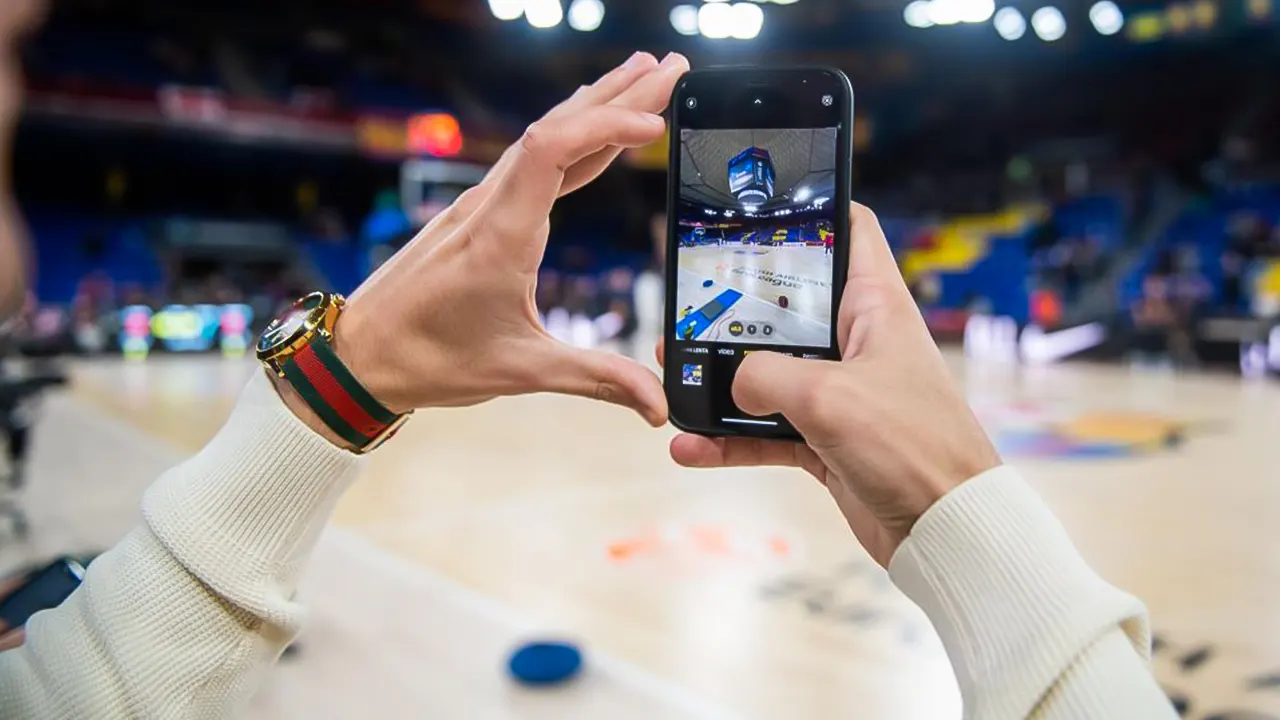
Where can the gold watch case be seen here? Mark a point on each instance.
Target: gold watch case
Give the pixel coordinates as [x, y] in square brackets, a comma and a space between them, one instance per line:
[311, 315]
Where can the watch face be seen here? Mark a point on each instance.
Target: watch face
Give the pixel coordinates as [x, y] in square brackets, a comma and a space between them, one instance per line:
[283, 329]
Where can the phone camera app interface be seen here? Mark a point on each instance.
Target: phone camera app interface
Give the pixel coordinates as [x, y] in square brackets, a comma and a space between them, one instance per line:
[756, 236]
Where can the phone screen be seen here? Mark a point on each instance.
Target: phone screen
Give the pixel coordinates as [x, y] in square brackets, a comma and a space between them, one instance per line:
[758, 236]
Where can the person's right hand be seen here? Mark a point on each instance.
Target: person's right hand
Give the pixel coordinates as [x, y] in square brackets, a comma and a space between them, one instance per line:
[886, 429]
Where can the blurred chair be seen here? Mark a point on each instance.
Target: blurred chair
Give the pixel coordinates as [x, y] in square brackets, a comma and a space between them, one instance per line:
[19, 400]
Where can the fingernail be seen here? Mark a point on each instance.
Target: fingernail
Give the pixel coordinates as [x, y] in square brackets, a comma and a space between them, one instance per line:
[636, 59]
[655, 120]
[672, 60]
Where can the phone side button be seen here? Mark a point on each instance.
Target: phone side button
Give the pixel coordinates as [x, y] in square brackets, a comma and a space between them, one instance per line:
[744, 421]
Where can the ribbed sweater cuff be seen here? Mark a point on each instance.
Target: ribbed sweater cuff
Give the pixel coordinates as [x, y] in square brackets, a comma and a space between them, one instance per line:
[244, 513]
[1009, 594]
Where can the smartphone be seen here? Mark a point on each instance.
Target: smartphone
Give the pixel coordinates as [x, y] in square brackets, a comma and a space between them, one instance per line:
[757, 232]
[46, 588]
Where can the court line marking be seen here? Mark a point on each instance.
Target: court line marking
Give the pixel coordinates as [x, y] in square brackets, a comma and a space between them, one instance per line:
[498, 613]
[747, 298]
[465, 598]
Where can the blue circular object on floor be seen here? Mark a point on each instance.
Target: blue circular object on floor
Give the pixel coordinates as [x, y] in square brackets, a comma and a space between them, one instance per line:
[545, 663]
[707, 283]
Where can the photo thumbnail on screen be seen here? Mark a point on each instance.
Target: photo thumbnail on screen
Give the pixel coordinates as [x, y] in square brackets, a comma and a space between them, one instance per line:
[756, 236]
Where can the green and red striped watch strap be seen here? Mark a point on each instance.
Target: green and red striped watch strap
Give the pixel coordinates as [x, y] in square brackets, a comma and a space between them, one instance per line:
[335, 395]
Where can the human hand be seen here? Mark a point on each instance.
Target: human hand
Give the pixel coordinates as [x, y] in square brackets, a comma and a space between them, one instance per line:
[16, 18]
[450, 320]
[886, 429]
[11, 638]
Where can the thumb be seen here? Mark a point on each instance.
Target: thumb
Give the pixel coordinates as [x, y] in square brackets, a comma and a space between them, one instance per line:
[603, 376]
[769, 383]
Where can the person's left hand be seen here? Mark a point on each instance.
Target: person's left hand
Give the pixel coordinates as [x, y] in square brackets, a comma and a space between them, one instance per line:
[450, 320]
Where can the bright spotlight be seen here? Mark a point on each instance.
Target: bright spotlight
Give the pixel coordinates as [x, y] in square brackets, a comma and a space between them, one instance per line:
[506, 9]
[715, 20]
[543, 14]
[802, 194]
[946, 12]
[916, 14]
[784, 2]
[976, 11]
[684, 18]
[748, 18]
[1049, 23]
[586, 15]
[1010, 24]
[1106, 17]
[749, 209]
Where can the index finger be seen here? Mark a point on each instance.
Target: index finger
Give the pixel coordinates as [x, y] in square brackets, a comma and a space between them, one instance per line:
[610, 86]
[650, 93]
[696, 451]
[606, 89]
[522, 201]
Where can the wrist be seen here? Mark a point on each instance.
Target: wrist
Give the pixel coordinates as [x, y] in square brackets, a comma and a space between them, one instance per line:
[967, 461]
[370, 360]
[301, 410]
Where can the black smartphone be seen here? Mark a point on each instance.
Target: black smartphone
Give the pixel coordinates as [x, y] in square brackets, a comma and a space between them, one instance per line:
[757, 232]
[45, 588]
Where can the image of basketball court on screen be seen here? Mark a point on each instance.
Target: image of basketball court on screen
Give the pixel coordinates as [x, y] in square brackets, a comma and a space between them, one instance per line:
[756, 236]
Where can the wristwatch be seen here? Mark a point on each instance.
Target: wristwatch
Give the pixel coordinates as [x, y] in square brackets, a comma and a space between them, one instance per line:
[298, 346]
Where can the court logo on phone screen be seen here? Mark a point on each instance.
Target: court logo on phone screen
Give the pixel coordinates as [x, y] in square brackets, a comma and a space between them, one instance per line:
[692, 375]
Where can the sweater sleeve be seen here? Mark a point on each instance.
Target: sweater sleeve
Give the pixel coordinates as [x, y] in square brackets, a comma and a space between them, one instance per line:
[183, 617]
[1030, 629]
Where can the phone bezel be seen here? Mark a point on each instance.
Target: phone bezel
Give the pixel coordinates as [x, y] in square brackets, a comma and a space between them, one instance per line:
[731, 82]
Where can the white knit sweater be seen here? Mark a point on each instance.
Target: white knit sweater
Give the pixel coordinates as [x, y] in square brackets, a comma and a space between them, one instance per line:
[186, 615]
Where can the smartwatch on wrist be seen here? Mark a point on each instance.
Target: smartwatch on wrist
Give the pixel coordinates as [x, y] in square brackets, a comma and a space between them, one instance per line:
[298, 346]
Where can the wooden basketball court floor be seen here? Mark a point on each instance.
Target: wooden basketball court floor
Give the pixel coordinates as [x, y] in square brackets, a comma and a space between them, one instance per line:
[695, 593]
[763, 274]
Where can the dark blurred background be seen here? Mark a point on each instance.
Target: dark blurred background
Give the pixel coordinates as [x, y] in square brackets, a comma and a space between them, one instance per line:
[186, 167]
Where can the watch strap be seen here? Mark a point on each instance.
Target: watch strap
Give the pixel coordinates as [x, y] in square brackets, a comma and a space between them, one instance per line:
[336, 396]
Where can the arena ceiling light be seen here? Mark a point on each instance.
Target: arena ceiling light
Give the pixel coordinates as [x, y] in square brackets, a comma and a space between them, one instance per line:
[976, 11]
[916, 14]
[715, 20]
[927, 13]
[1106, 17]
[802, 194]
[543, 14]
[1010, 24]
[1049, 23]
[506, 9]
[684, 18]
[748, 18]
[586, 15]
[946, 12]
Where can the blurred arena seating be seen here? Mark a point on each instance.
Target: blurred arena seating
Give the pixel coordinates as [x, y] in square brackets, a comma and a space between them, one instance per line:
[169, 123]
